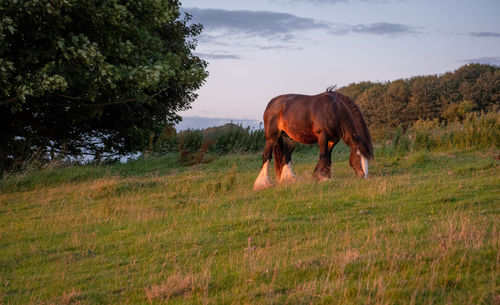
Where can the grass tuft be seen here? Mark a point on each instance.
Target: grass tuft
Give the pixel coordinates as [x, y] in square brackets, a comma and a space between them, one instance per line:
[174, 286]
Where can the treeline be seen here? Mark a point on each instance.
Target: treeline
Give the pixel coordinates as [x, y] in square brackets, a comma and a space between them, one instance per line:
[447, 97]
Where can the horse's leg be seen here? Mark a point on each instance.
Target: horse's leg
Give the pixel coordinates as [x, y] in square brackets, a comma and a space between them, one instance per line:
[323, 168]
[263, 181]
[272, 134]
[287, 148]
[331, 145]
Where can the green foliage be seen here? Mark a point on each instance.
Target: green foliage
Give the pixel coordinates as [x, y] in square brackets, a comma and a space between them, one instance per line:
[423, 103]
[239, 139]
[193, 148]
[165, 141]
[91, 76]
[190, 140]
[458, 111]
[371, 104]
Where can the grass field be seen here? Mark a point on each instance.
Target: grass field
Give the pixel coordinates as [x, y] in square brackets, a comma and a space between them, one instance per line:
[423, 229]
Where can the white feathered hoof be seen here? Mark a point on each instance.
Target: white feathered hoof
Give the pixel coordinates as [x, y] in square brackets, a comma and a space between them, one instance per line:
[263, 181]
[258, 185]
[287, 174]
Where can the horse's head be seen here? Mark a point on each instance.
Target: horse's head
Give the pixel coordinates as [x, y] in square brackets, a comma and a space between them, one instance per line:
[361, 152]
[359, 163]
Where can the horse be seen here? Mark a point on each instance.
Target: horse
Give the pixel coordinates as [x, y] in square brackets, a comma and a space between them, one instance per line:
[324, 118]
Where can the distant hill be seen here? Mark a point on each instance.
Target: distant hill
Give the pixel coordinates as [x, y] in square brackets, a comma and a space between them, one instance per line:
[195, 122]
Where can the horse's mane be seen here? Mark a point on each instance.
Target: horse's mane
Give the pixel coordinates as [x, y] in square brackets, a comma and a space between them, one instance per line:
[331, 89]
[362, 132]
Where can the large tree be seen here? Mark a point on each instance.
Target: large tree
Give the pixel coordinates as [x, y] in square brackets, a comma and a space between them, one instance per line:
[92, 76]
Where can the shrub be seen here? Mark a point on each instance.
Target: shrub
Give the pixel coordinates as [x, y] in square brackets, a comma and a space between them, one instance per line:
[235, 139]
[193, 147]
[190, 140]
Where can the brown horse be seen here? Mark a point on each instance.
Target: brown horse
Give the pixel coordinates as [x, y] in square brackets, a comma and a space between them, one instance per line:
[324, 119]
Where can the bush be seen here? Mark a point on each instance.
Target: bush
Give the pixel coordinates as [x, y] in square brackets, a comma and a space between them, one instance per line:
[193, 147]
[190, 140]
[232, 138]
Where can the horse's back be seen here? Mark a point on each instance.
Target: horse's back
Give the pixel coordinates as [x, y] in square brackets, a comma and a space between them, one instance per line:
[297, 115]
[296, 102]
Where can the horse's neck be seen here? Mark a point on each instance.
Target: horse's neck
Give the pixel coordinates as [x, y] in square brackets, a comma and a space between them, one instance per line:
[349, 142]
[347, 126]
[347, 130]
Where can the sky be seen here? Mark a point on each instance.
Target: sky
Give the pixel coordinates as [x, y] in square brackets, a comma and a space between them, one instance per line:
[259, 49]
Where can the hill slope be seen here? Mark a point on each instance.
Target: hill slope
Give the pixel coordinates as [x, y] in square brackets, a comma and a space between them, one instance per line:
[424, 229]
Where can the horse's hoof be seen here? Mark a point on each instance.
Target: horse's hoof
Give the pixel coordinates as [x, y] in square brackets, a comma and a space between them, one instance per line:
[287, 174]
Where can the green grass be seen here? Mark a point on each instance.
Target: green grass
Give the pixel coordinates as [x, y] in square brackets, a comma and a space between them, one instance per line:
[423, 229]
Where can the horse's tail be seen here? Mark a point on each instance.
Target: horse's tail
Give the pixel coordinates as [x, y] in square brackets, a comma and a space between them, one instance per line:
[282, 154]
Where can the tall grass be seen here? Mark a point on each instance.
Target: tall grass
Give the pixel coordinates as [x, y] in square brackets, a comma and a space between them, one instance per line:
[476, 130]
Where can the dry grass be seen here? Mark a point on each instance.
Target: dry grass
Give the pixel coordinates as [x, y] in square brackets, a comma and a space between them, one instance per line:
[175, 285]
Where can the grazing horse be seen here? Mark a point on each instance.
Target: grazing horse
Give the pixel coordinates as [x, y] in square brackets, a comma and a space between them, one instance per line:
[324, 119]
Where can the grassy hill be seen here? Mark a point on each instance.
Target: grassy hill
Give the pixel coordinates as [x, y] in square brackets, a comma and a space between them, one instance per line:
[423, 229]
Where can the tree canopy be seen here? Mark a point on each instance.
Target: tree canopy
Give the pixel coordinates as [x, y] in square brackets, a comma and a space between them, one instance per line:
[471, 88]
[87, 76]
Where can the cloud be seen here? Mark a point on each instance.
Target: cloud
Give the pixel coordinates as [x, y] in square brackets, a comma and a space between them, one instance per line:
[280, 47]
[238, 30]
[254, 23]
[282, 26]
[485, 34]
[378, 28]
[383, 28]
[483, 60]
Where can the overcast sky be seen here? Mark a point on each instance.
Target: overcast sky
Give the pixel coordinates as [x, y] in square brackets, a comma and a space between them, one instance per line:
[259, 49]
